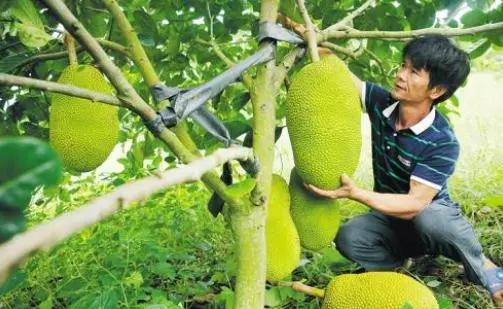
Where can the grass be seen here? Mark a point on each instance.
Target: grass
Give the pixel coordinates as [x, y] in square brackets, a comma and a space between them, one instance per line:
[170, 253]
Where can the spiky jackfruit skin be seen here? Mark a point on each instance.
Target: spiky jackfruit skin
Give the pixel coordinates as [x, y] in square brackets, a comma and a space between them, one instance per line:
[317, 219]
[323, 119]
[81, 131]
[377, 290]
[282, 240]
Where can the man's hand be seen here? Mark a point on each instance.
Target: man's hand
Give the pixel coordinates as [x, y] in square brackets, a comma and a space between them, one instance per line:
[345, 190]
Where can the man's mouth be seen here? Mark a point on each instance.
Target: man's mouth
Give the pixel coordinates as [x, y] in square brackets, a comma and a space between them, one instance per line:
[398, 87]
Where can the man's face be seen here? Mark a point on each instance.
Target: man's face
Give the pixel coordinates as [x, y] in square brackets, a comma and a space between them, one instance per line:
[411, 84]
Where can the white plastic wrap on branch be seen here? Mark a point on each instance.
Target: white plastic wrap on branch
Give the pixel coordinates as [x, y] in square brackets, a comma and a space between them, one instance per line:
[47, 235]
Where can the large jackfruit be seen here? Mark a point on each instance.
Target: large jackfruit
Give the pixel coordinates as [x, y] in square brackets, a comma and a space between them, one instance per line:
[81, 131]
[317, 219]
[377, 290]
[282, 240]
[323, 119]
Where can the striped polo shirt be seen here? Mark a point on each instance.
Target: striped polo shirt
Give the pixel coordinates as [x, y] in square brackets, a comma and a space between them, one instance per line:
[426, 152]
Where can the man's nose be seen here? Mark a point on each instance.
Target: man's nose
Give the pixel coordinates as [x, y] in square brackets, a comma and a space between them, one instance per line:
[401, 74]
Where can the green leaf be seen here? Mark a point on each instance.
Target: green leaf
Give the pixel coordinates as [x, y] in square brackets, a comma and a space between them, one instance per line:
[11, 62]
[32, 36]
[226, 297]
[46, 304]
[237, 128]
[494, 200]
[25, 164]
[444, 302]
[31, 28]
[433, 283]
[273, 297]
[474, 18]
[242, 188]
[13, 282]
[27, 13]
[164, 270]
[479, 48]
[11, 223]
[135, 279]
[289, 8]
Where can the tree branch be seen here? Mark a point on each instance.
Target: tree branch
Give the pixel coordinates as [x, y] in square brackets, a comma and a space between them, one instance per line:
[281, 70]
[217, 51]
[343, 50]
[115, 47]
[64, 53]
[343, 22]
[326, 35]
[134, 45]
[310, 33]
[13, 80]
[47, 235]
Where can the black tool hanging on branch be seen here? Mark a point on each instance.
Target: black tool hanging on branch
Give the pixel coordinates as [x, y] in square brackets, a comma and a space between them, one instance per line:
[190, 102]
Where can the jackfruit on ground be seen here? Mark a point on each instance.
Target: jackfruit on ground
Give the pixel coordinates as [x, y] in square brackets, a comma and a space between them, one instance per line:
[81, 131]
[323, 119]
[282, 240]
[377, 290]
[317, 219]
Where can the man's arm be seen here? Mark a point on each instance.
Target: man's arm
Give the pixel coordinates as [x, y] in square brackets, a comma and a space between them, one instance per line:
[403, 206]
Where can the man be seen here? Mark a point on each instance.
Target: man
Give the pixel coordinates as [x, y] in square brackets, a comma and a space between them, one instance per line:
[414, 151]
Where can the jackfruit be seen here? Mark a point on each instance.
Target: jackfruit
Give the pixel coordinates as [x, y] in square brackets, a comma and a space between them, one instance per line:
[282, 240]
[317, 219]
[81, 131]
[323, 120]
[377, 290]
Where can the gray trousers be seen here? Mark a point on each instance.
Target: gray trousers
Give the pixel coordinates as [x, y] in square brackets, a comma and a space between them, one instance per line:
[378, 242]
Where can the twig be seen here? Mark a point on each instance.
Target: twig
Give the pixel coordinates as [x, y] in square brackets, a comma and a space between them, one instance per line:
[343, 50]
[14, 80]
[47, 235]
[326, 35]
[300, 287]
[281, 71]
[217, 51]
[61, 54]
[115, 47]
[310, 33]
[343, 22]
[70, 47]
[247, 80]
[291, 24]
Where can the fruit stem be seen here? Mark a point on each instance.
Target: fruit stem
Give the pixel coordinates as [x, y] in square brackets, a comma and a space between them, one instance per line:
[70, 47]
[303, 288]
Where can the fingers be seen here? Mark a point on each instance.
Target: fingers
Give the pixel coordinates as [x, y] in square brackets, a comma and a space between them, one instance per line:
[321, 192]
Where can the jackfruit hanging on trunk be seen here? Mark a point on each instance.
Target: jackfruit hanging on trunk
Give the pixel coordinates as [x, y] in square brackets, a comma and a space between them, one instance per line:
[323, 117]
[282, 239]
[317, 219]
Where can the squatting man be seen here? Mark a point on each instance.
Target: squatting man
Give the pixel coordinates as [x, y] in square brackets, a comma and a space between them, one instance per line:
[414, 151]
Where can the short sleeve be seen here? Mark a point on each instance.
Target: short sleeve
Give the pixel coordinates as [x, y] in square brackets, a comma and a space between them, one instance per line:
[375, 99]
[437, 166]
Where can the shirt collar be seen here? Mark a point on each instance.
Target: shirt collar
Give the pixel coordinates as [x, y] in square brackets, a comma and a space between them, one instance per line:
[419, 127]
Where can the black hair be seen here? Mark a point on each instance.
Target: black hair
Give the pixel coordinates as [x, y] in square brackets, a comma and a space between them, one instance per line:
[447, 65]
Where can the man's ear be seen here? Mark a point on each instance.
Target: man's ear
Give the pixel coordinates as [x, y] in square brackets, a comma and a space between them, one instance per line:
[437, 92]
